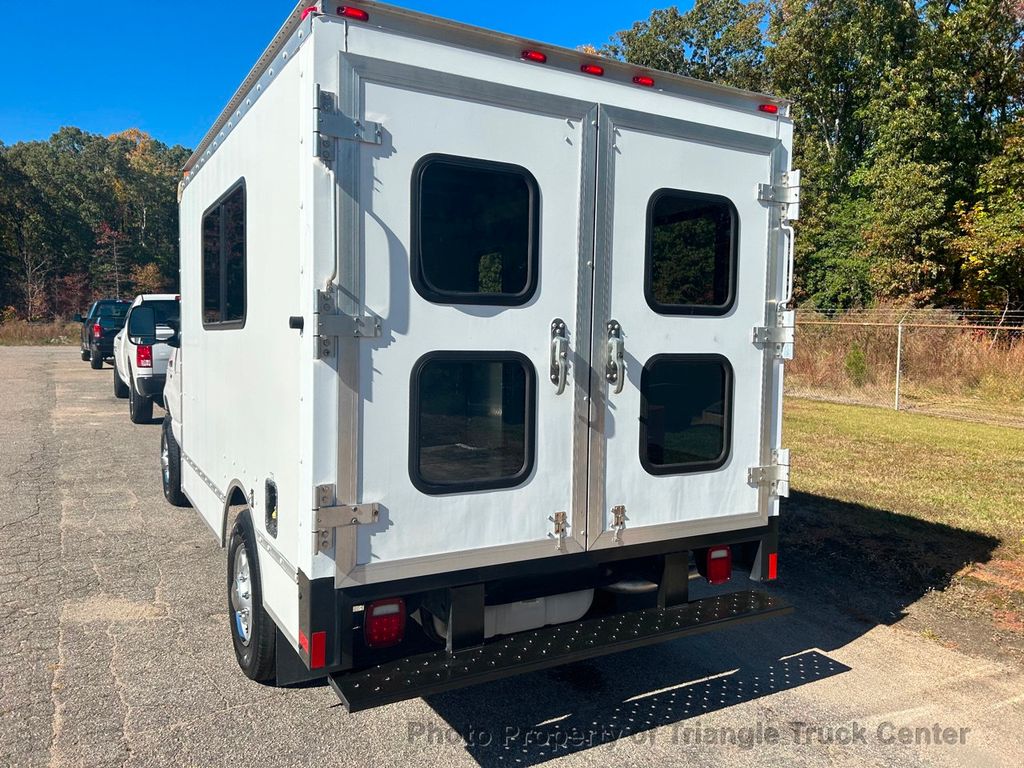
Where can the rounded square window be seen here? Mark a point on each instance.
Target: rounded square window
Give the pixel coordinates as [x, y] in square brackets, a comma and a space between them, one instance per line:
[685, 413]
[472, 421]
[692, 241]
[475, 231]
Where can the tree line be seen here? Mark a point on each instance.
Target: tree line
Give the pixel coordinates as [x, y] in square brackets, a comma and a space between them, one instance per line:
[83, 216]
[909, 132]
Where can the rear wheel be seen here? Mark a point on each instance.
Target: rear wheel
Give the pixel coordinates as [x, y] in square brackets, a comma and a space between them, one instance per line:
[95, 360]
[120, 388]
[140, 407]
[170, 466]
[252, 630]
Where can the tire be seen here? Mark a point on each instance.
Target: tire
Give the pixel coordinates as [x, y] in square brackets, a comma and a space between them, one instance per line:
[253, 633]
[85, 355]
[140, 407]
[170, 466]
[120, 388]
[95, 360]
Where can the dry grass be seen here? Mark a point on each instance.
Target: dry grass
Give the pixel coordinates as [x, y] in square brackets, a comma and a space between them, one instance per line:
[19, 333]
[954, 370]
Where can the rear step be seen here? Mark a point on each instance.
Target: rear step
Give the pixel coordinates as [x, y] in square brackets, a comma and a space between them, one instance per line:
[439, 671]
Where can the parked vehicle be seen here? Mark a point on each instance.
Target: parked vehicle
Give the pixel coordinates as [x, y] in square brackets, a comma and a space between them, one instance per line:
[141, 352]
[99, 327]
[488, 351]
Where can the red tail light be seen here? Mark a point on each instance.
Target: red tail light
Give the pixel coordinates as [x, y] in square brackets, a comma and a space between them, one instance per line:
[773, 566]
[592, 69]
[144, 356]
[535, 56]
[97, 331]
[356, 14]
[719, 565]
[384, 622]
[771, 109]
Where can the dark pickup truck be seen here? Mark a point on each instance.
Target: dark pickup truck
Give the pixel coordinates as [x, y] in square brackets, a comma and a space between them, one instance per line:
[99, 327]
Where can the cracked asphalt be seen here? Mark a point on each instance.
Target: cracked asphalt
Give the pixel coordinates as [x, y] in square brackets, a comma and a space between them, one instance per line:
[115, 647]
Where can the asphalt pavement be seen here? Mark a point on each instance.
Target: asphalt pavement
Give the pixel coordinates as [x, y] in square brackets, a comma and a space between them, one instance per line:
[115, 648]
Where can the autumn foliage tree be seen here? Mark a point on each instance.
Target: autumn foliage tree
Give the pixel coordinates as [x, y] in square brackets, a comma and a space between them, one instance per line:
[907, 131]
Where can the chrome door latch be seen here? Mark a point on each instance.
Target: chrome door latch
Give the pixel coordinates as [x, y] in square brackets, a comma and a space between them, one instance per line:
[561, 529]
[619, 521]
[615, 367]
[559, 355]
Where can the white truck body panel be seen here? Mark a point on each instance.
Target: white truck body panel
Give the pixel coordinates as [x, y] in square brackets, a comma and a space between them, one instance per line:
[257, 403]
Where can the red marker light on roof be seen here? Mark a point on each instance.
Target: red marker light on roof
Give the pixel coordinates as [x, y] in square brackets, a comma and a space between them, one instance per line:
[358, 14]
[592, 69]
[535, 56]
[307, 11]
[771, 109]
[644, 80]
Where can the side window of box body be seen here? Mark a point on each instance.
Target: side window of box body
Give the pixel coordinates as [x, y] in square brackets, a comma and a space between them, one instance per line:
[224, 265]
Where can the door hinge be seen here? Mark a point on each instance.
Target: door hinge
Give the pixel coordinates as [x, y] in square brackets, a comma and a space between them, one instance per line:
[331, 123]
[786, 193]
[329, 324]
[330, 516]
[775, 475]
[778, 339]
[561, 522]
[619, 521]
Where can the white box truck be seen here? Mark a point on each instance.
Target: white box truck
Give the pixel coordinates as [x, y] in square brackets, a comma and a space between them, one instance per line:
[481, 353]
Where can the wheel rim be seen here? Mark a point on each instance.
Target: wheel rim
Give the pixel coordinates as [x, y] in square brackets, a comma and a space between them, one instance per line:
[165, 461]
[241, 596]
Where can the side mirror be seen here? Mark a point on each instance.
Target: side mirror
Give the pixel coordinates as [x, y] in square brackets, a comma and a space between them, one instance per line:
[142, 323]
[175, 340]
[78, 319]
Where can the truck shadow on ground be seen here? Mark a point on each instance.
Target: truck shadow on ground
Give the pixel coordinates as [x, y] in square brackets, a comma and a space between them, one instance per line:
[846, 569]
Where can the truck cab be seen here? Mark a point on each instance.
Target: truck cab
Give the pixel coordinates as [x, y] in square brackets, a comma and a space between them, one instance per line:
[99, 327]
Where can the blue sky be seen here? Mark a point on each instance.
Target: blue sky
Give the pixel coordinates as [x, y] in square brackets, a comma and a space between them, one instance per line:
[168, 68]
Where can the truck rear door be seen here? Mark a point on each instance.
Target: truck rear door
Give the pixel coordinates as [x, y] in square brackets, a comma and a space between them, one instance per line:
[685, 270]
[476, 213]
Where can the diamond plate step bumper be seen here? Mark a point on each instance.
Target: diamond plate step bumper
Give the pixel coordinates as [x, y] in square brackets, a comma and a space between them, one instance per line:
[439, 671]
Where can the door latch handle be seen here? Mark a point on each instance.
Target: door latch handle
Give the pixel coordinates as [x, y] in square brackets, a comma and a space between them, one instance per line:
[559, 355]
[615, 368]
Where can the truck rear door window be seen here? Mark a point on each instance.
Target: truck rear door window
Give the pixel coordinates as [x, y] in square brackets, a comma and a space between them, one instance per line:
[691, 253]
[475, 231]
[685, 413]
[472, 421]
[224, 261]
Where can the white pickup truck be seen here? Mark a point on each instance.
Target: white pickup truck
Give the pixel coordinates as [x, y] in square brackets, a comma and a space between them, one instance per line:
[141, 352]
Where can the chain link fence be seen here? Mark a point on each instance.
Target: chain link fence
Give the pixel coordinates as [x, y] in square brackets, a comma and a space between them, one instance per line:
[966, 363]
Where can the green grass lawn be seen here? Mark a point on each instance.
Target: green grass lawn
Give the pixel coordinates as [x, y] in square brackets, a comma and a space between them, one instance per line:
[961, 474]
